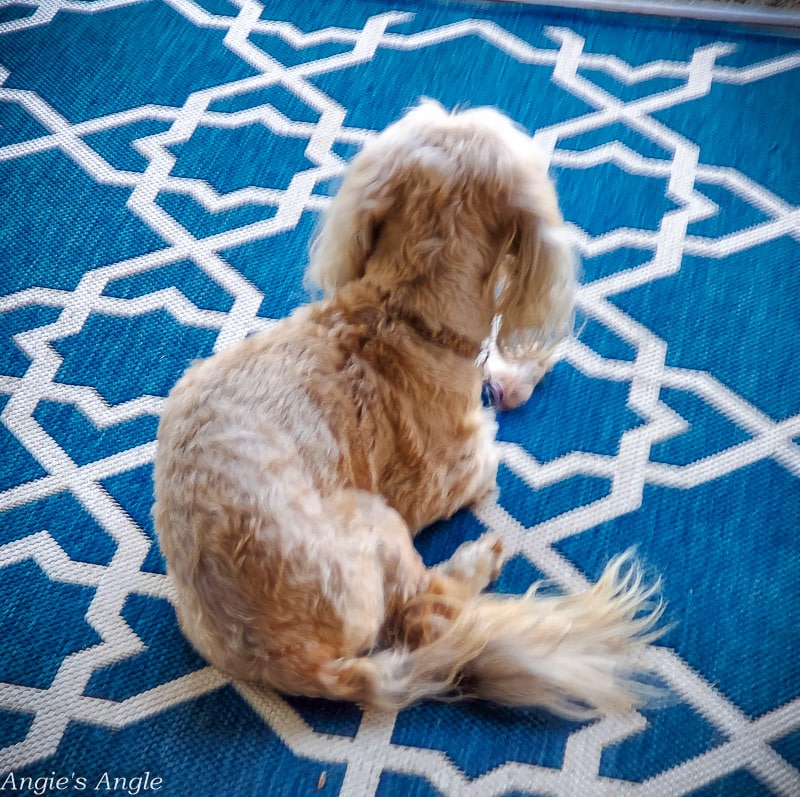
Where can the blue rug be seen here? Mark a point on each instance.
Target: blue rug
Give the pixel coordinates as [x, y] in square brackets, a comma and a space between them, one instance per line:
[162, 166]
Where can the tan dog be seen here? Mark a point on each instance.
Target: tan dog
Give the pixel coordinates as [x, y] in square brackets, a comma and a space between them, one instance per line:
[294, 468]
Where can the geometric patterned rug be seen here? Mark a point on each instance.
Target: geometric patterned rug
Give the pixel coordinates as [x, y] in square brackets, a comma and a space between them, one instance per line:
[162, 167]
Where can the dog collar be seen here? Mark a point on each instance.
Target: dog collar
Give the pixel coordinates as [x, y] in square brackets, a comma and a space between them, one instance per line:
[445, 337]
[382, 310]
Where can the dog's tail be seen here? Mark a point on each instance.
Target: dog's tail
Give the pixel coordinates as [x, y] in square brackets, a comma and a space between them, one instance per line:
[574, 655]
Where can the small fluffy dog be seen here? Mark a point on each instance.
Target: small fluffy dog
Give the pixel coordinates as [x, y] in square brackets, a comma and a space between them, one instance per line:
[294, 468]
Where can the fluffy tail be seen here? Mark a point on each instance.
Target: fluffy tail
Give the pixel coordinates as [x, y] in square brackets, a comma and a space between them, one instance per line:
[573, 655]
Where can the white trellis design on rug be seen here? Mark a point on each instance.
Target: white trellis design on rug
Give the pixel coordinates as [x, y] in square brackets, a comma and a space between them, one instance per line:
[371, 751]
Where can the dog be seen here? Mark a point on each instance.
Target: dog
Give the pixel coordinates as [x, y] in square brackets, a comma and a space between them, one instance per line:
[294, 468]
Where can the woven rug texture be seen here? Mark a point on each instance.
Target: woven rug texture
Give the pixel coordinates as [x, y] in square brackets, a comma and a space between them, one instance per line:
[163, 165]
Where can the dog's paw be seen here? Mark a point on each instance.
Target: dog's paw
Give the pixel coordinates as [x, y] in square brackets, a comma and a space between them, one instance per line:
[478, 562]
[493, 555]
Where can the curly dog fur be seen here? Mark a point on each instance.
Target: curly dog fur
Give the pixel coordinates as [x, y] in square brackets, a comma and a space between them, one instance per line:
[294, 468]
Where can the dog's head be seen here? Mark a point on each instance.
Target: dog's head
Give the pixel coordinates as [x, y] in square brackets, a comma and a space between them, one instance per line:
[457, 200]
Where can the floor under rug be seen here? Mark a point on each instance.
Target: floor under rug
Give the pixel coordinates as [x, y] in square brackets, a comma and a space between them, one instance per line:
[777, 13]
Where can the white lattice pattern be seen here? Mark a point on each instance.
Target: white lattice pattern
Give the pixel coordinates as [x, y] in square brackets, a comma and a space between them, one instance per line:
[629, 470]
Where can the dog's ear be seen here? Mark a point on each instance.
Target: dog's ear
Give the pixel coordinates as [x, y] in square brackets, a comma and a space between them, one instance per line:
[537, 277]
[351, 223]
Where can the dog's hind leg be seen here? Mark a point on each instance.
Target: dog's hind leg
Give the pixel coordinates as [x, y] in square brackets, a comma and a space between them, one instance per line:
[473, 566]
